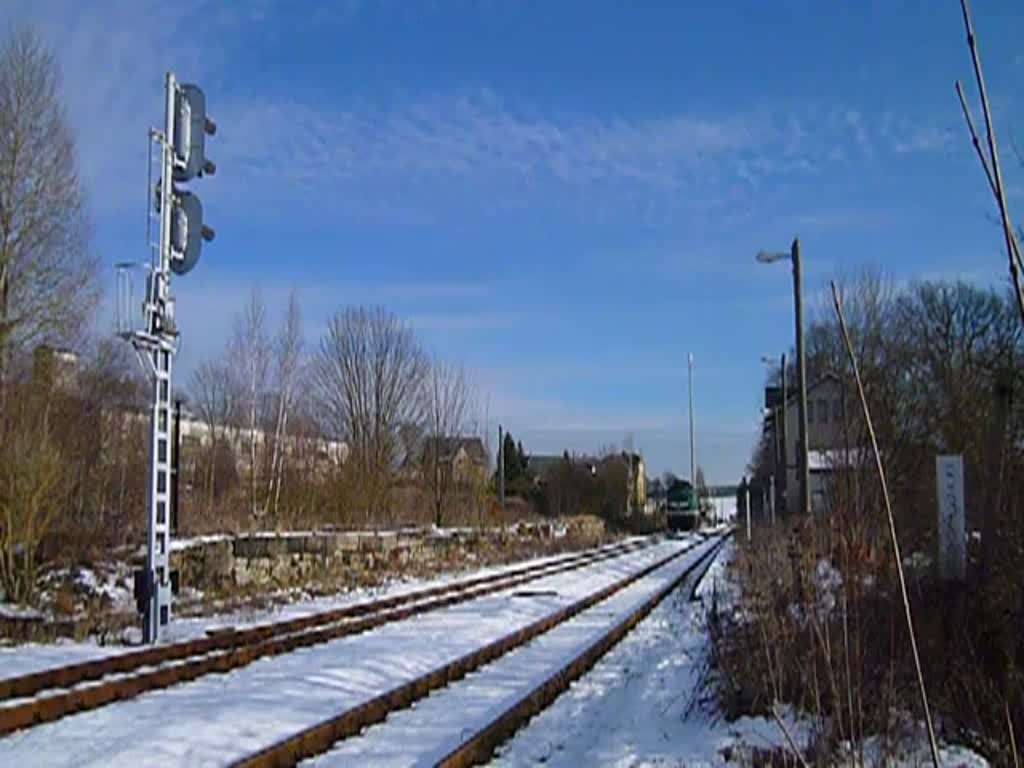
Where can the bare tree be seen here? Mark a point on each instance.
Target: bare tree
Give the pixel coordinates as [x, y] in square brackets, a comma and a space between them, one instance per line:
[214, 398]
[47, 268]
[368, 375]
[477, 483]
[450, 408]
[249, 355]
[288, 358]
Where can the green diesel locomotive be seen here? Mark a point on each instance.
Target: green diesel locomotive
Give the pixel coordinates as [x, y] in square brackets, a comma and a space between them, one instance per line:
[682, 507]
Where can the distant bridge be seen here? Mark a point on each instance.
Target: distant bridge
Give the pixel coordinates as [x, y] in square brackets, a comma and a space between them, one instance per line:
[722, 491]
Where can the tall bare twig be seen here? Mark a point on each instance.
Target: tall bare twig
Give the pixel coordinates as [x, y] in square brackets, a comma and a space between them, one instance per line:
[984, 161]
[1013, 739]
[995, 175]
[789, 738]
[892, 522]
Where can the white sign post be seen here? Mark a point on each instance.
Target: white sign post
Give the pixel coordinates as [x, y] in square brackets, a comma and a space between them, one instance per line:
[949, 479]
[747, 500]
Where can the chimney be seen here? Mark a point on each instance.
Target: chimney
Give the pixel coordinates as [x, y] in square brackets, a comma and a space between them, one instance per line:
[54, 369]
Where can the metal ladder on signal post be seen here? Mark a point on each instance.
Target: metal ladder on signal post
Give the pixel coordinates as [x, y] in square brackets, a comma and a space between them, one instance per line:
[181, 232]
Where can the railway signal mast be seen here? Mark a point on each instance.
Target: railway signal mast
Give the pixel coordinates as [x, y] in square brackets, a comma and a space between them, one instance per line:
[182, 151]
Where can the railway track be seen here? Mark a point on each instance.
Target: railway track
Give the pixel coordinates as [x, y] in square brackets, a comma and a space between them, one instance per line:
[479, 744]
[49, 695]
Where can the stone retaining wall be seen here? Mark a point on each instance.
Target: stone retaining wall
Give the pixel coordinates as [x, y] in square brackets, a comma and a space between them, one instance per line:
[261, 561]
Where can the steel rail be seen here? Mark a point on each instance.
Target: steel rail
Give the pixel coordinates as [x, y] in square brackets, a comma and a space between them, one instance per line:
[228, 651]
[319, 738]
[482, 745]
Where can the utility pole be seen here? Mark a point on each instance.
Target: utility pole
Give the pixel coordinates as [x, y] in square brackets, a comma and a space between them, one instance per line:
[693, 442]
[630, 482]
[801, 365]
[501, 467]
[776, 461]
[784, 474]
[181, 147]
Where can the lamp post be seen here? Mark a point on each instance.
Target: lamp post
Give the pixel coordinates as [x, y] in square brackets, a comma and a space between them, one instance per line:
[693, 443]
[501, 467]
[782, 482]
[803, 465]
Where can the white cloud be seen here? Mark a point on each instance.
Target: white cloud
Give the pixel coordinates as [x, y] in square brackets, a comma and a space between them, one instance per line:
[905, 136]
[472, 144]
[113, 59]
[412, 159]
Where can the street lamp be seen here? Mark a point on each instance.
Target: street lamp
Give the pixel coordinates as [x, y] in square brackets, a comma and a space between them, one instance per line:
[769, 257]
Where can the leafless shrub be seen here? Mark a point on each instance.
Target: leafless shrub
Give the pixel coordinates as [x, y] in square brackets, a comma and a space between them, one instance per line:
[450, 409]
[31, 474]
[214, 399]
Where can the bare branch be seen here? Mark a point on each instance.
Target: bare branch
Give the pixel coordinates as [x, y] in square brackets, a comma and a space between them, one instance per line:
[974, 136]
[996, 177]
[789, 737]
[1013, 738]
[984, 161]
[249, 353]
[288, 352]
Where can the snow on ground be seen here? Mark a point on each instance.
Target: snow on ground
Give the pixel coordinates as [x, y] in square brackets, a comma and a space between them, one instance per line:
[33, 657]
[187, 542]
[437, 725]
[108, 583]
[14, 611]
[723, 508]
[634, 707]
[220, 718]
[918, 756]
[303, 605]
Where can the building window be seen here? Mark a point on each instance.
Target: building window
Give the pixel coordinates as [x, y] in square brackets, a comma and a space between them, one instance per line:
[810, 411]
[837, 410]
[823, 411]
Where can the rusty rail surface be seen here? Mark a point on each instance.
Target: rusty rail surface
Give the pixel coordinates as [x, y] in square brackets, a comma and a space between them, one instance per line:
[227, 651]
[319, 738]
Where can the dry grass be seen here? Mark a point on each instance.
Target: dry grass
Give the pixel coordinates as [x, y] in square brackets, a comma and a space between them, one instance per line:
[819, 625]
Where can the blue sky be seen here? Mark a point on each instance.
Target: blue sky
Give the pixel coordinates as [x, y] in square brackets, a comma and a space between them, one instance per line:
[564, 197]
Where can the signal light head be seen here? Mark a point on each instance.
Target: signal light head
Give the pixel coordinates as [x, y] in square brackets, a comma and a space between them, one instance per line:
[191, 126]
[187, 232]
